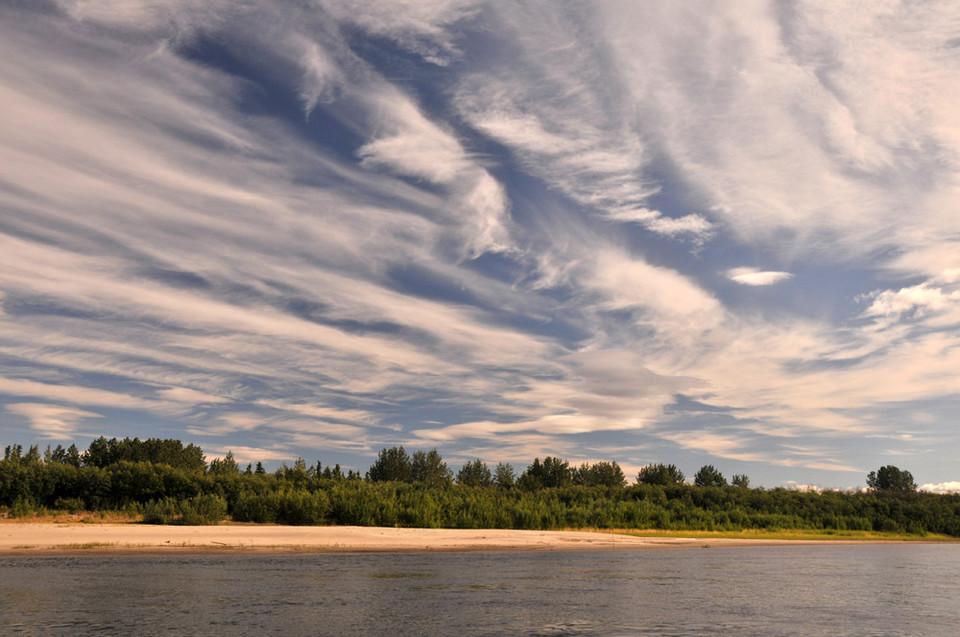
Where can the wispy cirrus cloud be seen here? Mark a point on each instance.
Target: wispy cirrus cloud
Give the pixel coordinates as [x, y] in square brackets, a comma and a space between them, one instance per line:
[332, 225]
[152, 269]
[51, 421]
[789, 128]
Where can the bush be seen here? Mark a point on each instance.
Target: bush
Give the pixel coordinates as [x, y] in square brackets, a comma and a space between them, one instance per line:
[297, 507]
[256, 507]
[73, 505]
[204, 509]
[165, 511]
[303, 508]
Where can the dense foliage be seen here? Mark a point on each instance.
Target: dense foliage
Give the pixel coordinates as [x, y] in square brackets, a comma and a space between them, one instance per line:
[709, 476]
[890, 478]
[169, 483]
[662, 474]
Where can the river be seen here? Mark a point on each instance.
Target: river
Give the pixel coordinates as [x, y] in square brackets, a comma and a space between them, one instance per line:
[901, 589]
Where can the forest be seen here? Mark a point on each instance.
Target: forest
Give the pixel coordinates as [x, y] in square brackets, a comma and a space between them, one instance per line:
[165, 482]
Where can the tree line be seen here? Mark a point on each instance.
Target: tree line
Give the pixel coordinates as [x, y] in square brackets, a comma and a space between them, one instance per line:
[166, 482]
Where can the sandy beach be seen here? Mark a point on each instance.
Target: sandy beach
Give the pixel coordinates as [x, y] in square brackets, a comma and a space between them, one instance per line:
[26, 539]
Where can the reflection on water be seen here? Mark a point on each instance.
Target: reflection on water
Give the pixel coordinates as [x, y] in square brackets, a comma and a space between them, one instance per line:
[792, 590]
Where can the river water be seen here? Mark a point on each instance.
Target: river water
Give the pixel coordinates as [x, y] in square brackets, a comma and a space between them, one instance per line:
[787, 590]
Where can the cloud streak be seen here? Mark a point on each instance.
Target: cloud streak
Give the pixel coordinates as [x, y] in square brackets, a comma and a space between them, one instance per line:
[505, 230]
[755, 277]
[51, 421]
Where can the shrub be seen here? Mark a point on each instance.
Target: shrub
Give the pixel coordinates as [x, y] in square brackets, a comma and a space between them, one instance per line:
[303, 508]
[256, 507]
[204, 509]
[73, 505]
[164, 511]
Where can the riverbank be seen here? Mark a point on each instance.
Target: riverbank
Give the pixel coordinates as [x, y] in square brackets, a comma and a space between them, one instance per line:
[40, 539]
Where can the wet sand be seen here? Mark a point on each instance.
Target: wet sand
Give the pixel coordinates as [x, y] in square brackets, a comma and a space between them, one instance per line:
[34, 539]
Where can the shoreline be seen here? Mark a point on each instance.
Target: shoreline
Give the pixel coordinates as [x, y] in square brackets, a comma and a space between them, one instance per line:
[43, 539]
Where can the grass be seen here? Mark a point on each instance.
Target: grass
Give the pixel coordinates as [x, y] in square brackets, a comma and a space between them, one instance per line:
[67, 547]
[80, 517]
[86, 545]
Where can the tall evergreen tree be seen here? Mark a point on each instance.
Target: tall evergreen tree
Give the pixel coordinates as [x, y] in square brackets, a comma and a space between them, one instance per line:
[601, 474]
[391, 464]
[430, 469]
[504, 476]
[475, 474]
[551, 473]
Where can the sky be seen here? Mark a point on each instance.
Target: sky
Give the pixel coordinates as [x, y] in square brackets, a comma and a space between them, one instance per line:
[693, 233]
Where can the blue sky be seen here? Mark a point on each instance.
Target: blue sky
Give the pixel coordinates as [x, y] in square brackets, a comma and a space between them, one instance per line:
[687, 233]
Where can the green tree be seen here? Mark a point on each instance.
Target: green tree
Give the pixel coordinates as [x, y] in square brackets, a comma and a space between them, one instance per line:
[475, 474]
[429, 468]
[73, 456]
[33, 455]
[391, 464]
[504, 476]
[333, 473]
[601, 474]
[13, 453]
[551, 473]
[740, 480]
[891, 478]
[226, 466]
[661, 474]
[709, 476]
[103, 453]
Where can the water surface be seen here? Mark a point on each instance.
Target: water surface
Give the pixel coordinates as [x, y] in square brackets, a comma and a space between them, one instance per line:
[784, 590]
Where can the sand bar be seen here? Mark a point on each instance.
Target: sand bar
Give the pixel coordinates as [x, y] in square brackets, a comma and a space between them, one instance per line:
[32, 539]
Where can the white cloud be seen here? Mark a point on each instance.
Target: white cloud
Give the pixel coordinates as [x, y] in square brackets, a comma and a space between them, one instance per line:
[952, 486]
[716, 444]
[320, 74]
[163, 17]
[72, 394]
[254, 281]
[807, 488]
[755, 277]
[917, 300]
[564, 120]
[51, 421]
[321, 412]
[802, 127]
[228, 211]
[191, 396]
[411, 145]
[733, 446]
[632, 283]
[419, 26]
[249, 455]
[691, 225]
